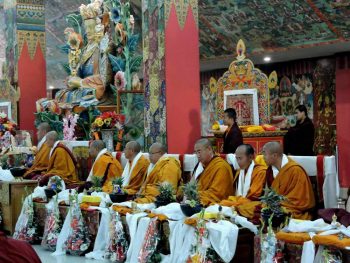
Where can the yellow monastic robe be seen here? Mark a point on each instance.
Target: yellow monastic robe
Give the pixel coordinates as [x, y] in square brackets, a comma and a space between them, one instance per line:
[167, 169]
[137, 176]
[257, 185]
[100, 167]
[41, 162]
[215, 183]
[294, 184]
[63, 164]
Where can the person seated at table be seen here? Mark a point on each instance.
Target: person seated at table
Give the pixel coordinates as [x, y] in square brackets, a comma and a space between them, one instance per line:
[300, 139]
[249, 180]
[162, 169]
[135, 171]
[105, 166]
[288, 179]
[233, 135]
[42, 152]
[61, 162]
[213, 174]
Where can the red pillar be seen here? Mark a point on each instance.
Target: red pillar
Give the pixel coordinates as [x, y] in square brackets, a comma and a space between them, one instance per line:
[32, 83]
[343, 124]
[182, 83]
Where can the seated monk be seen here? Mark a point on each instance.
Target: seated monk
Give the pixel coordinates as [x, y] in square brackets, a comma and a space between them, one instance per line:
[41, 160]
[249, 181]
[287, 178]
[162, 169]
[61, 162]
[135, 171]
[215, 182]
[105, 166]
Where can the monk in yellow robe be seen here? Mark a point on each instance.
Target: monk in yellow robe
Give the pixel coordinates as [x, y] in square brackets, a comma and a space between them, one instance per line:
[213, 174]
[42, 152]
[249, 180]
[105, 166]
[287, 178]
[135, 171]
[162, 169]
[61, 162]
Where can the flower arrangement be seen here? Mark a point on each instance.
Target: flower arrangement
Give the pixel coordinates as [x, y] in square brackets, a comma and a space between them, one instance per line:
[96, 184]
[191, 204]
[150, 242]
[69, 124]
[55, 183]
[52, 228]
[108, 120]
[166, 194]
[78, 240]
[118, 245]
[26, 228]
[117, 185]
[191, 194]
[272, 209]
[5, 123]
[201, 243]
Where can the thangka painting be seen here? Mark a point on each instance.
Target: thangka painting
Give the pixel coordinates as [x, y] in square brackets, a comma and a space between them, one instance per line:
[208, 104]
[243, 75]
[245, 103]
[288, 93]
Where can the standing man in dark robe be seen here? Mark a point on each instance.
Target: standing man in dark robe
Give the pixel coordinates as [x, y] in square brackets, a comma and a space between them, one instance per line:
[300, 139]
[233, 135]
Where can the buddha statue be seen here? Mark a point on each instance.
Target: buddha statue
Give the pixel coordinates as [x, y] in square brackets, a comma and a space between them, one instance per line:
[91, 71]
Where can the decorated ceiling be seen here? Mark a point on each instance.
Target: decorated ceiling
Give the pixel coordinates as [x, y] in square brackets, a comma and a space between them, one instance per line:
[270, 25]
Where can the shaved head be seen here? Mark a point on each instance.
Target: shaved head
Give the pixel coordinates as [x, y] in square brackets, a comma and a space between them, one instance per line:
[204, 142]
[98, 145]
[44, 126]
[204, 151]
[52, 135]
[95, 148]
[273, 153]
[51, 138]
[134, 146]
[244, 155]
[273, 147]
[157, 146]
[156, 151]
[42, 130]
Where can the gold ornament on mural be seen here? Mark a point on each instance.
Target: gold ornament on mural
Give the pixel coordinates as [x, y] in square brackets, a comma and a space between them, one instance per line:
[273, 80]
[181, 9]
[31, 38]
[240, 49]
[212, 85]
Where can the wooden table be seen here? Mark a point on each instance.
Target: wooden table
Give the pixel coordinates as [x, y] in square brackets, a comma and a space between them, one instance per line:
[11, 196]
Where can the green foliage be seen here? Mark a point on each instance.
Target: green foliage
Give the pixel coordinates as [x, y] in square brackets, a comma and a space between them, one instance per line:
[54, 120]
[75, 21]
[118, 63]
[166, 192]
[191, 193]
[97, 183]
[272, 200]
[118, 181]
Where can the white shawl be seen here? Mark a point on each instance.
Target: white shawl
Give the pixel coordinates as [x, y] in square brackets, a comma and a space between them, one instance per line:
[244, 181]
[128, 170]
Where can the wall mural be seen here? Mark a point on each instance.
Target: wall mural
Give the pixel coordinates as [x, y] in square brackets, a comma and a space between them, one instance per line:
[290, 92]
[315, 88]
[269, 25]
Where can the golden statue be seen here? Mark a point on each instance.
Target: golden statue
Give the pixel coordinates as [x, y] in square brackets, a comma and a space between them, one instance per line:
[91, 71]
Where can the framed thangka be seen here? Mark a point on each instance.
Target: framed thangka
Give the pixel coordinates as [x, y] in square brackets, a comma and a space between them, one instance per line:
[5, 108]
[245, 102]
[131, 104]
